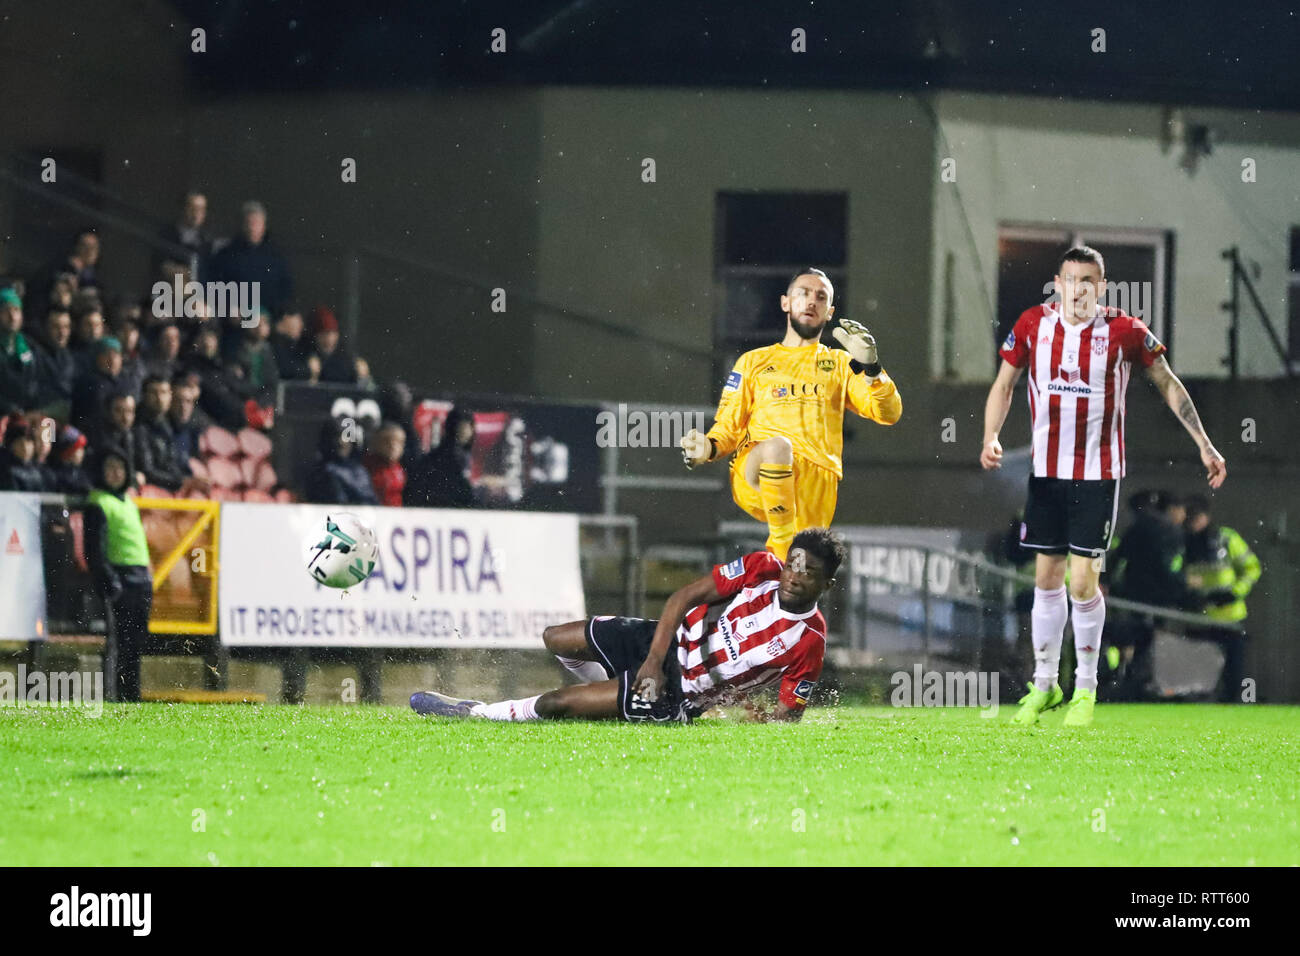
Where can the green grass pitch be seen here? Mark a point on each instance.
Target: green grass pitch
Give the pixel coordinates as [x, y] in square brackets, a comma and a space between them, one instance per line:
[235, 785]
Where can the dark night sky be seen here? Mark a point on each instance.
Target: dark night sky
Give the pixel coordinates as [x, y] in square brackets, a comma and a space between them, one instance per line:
[1238, 54]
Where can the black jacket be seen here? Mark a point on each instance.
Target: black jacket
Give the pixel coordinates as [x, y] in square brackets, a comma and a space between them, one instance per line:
[18, 379]
[16, 475]
[155, 443]
[240, 261]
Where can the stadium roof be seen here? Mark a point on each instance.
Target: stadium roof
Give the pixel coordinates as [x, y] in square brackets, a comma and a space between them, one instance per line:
[1229, 54]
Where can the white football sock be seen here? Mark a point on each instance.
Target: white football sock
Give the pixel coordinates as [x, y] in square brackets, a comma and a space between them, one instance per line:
[1048, 629]
[524, 709]
[1088, 618]
[588, 672]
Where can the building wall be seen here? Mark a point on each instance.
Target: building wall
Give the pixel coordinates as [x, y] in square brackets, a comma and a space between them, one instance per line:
[1029, 159]
[443, 210]
[101, 83]
[642, 254]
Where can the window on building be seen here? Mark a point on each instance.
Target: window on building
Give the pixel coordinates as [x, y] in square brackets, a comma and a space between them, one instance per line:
[1137, 270]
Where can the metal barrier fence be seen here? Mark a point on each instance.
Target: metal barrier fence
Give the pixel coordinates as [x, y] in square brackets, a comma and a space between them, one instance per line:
[904, 601]
[184, 546]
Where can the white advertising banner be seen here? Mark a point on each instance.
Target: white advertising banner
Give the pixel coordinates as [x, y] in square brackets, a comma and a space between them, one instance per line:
[22, 569]
[443, 579]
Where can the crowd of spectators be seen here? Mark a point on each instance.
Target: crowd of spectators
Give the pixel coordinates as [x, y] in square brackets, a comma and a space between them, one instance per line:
[82, 372]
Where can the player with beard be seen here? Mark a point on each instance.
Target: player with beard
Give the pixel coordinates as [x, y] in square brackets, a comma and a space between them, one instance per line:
[782, 413]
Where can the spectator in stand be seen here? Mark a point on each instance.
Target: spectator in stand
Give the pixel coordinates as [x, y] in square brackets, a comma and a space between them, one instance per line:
[287, 345]
[190, 232]
[69, 455]
[440, 478]
[19, 385]
[164, 355]
[155, 439]
[18, 468]
[43, 429]
[223, 393]
[92, 390]
[56, 366]
[88, 329]
[336, 364]
[187, 420]
[62, 292]
[384, 463]
[338, 477]
[118, 554]
[252, 257]
[364, 379]
[397, 404]
[119, 432]
[252, 359]
[82, 262]
[133, 373]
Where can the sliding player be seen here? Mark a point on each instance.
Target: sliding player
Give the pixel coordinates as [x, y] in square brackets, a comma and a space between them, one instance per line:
[750, 624]
[1079, 358]
[782, 413]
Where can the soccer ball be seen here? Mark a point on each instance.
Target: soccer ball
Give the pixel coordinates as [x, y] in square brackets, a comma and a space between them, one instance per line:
[340, 551]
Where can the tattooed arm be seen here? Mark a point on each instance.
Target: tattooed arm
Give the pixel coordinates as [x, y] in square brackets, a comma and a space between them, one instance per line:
[1176, 397]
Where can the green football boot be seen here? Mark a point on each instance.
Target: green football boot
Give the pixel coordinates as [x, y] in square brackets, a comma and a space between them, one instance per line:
[1037, 701]
[1081, 705]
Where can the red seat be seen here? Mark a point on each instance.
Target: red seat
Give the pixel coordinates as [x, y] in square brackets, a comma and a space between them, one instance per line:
[153, 491]
[225, 494]
[252, 494]
[247, 472]
[285, 496]
[198, 469]
[224, 473]
[217, 441]
[264, 478]
[254, 444]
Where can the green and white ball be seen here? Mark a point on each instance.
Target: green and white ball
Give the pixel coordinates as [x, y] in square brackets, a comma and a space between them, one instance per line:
[340, 551]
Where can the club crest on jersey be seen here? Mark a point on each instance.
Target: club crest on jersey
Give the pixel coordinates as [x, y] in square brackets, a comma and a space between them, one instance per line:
[1099, 346]
[733, 383]
[803, 690]
[734, 570]
[780, 391]
[1010, 343]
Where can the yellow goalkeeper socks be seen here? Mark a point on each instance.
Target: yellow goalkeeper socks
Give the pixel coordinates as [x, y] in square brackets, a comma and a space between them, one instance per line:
[776, 489]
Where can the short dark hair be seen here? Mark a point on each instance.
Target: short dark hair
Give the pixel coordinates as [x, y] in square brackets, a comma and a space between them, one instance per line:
[154, 380]
[825, 544]
[1082, 254]
[811, 270]
[1197, 505]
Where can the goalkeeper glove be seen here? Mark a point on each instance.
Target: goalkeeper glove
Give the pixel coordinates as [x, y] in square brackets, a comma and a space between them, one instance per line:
[859, 343]
[697, 448]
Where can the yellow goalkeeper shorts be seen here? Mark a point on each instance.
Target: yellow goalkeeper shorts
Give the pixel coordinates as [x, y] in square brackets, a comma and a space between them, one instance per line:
[815, 491]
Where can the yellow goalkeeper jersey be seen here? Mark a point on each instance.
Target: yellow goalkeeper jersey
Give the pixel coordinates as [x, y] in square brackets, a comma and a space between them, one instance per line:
[801, 393]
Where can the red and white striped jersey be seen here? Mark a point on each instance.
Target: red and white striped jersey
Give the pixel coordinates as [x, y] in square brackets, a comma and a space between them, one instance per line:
[1077, 379]
[754, 643]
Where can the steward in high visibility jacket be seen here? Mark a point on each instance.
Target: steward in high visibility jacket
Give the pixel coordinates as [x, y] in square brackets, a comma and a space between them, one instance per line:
[1220, 567]
[118, 555]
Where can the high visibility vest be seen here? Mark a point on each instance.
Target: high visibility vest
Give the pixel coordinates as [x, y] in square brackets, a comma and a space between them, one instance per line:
[127, 545]
[1226, 564]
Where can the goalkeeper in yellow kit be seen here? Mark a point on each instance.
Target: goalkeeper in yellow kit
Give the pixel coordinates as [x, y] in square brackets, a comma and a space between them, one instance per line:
[782, 413]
